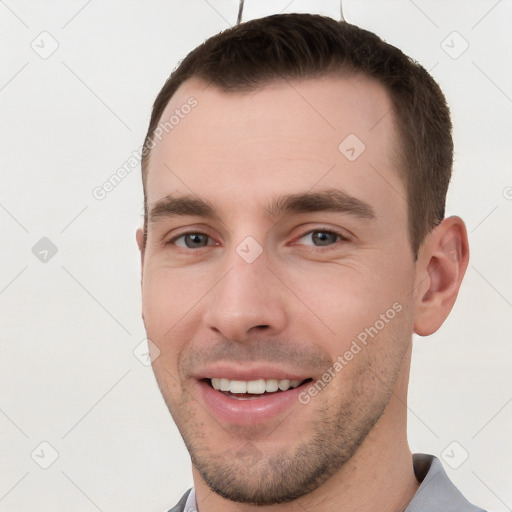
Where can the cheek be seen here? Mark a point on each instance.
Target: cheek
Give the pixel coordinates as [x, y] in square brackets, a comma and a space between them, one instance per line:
[367, 317]
[169, 296]
[170, 308]
[347, 299]
[368, 355]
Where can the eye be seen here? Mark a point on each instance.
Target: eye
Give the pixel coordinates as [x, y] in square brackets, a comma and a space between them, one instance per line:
[192, 240]
[322, 238]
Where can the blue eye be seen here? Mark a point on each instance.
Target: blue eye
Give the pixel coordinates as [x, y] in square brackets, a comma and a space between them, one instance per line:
[316, 238]
[322, 238]
[191, 240]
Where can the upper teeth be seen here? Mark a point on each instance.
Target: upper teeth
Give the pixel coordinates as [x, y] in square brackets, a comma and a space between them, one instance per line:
[254, 386]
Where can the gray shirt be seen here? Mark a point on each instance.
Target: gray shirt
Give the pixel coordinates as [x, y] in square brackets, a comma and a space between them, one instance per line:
[436, 492]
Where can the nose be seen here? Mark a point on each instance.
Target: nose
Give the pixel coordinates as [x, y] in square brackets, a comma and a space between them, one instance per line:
[249, 299]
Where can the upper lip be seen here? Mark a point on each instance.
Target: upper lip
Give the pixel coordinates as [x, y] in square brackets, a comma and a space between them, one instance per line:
[244, 372]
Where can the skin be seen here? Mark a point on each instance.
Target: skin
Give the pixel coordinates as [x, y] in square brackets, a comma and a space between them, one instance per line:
[298, 303]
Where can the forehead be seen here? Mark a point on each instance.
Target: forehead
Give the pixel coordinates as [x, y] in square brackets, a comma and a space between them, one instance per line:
[285, 136]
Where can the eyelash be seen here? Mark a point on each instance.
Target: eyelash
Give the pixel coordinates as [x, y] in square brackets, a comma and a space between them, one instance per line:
[342, 238]
[322, 248]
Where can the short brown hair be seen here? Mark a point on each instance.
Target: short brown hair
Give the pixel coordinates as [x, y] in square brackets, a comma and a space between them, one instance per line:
[299, 46]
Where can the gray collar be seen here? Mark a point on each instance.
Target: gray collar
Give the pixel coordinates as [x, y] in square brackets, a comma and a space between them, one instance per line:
[436, 491]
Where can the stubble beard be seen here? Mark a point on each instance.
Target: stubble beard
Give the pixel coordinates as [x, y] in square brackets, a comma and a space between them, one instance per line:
[250, 474]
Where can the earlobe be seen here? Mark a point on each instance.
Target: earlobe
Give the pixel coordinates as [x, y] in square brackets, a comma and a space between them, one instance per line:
[441, 266]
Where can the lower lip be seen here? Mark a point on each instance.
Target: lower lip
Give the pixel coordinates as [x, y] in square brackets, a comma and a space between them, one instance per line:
[251, 411]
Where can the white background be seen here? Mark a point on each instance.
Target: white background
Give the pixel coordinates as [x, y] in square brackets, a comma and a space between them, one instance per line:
[69, 326]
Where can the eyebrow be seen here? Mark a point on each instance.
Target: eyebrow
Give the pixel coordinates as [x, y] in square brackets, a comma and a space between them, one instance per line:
[330, 200]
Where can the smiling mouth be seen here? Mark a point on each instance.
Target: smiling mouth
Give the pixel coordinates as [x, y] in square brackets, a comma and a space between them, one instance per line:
[253, 389]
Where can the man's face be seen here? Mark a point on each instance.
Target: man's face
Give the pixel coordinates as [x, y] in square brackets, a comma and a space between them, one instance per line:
[274, 290]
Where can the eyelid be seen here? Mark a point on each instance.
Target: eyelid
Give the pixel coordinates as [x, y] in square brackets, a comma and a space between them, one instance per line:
[173, 239]
[342, 234]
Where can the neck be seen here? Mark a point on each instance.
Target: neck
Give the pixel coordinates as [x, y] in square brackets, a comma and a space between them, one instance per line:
[379, 476]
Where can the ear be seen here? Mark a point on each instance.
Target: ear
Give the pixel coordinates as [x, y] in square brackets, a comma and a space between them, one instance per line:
[441, 265]
[139, 235]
